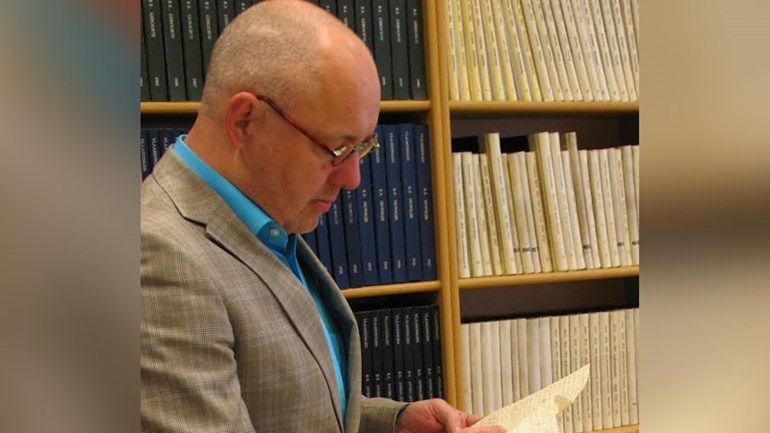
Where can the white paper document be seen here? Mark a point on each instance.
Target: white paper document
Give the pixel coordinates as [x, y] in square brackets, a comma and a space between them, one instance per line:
[536, 413]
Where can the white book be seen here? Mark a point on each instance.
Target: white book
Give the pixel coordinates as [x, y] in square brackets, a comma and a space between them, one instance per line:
[625, 400]
[546, 366]
[465, 354]
[633, 218]
[560, 89]
[580, 200]
[595, 27]
[481, 51]
[519, 29]
[489, 204]
[598, 199]
[565, 66]
[635, 150]
[556, 360]
[463, 70]
[633, 52]
[615, 388]
[633, 402]
[471, 50]
[605, 29]
[577, 238]
[533, 354]
[471, 216]
[505, 52]
[538, 213]
[619, 201]
[570, 42]
[589, 203]
[506, 366]
[497, 385]
[493, 53]
[604, 370]
[530, 217]
[461, 240]
[585, 358]
[538, 51]
[590, 45]
[490, 144]
[490, 345]
[596, 379]
[609, 206]
[503, 10]
[477, 378]
[517, 245]
[454, 73]
[540, 143]
[636, 342]
[520, 213]
[566, 367]
[523, 345]
[481, 217]
[515, 364]
[625, 53]
[571, 247]
[574, 360]
[635, 12]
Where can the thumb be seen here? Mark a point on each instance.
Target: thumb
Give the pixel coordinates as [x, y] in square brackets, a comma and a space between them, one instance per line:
[449, 417]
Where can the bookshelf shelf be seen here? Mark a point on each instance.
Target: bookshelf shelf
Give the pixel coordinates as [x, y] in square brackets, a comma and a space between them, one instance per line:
[624, 429]
[177, 108]
[457, 108]
[550, 277]
[392, 289]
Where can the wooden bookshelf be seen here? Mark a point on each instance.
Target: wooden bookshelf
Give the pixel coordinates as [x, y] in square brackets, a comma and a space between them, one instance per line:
[392, 289]
[550, 277]
[625, 429]
[543, 108]
[181, 108]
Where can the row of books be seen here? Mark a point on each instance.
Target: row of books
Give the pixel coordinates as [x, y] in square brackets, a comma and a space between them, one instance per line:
[153, 143]
[552, 208]
[401, 353]
[543, 50]
[382, 232]
[506, 360]
[178, 36]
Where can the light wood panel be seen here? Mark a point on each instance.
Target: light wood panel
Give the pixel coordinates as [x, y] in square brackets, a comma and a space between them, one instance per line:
[560, 108]
[392, 289]
[177, 108]
[550, 277]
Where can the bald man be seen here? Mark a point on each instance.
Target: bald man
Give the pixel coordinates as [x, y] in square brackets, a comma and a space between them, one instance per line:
[242, 329]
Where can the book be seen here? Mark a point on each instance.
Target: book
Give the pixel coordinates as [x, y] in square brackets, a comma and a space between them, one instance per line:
[155, 146]
[566, 367]
[624, 21]
[476, 369]
[465, 364]
[489, 376]
[410, 202]
[630, 190]
[144, 154]
[596, 379]
[574, 361]
[388, 354]
[481, 216]
[366, 217]
[144, 78]
[392, 147]
[418, 84]
[517, 197]
[438, 363]
[586, 397]
[515, 363]
[558, 83]
[561, 54]
[609, 206]
[619, 202]
[610, 63]
[490, 145]
[417, 360]
[615, 388]
[428, 363]
[461, 240]
[382, 41]
[625, 415]
[633, 397]
[242, 5]
[546, 368]
[494, 240]
[604, 370]
[500, 91]
[528, 53]
[363, 24]
[399, 49]
[425, 202]
[329, 5]
[529, 214]
[577, 240]
[547, 79]
[453, 64]
[571, 242]
[585, 180]
[524, 368]
[156, 59]
[614, 23]
[543, 245]
[505, 52]
[399, 368]
[506, 366]
[576, 179]
[570, 42]
[635, 152]
[556, 363]
[540, 144]
[471, 50]
[598, 209]
[517, 246]
[481, 50]
[377, 357]
[310, 240]
[463, 65]
[191, 47]
[346, 13]
[207, 11]
[381, 210]
[503, 10]
[471, 216]
[352, 238]
[590, 45]
[363, 319]
[225, 13]
[337, 244]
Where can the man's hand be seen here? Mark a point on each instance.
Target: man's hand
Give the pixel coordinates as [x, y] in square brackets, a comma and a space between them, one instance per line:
[436, 416]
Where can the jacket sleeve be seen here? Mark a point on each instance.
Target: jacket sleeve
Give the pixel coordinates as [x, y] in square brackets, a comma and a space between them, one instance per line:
[378, 415]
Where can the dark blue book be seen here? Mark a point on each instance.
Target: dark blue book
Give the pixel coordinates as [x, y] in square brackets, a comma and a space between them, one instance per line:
[144, 80]
[209, 30]
[382, 54]
[425, 202]
[438, 369]
[426, 322]
[376, 355]
[346, 13]
[399, 372]
[416, 50]
[167, 138]
[322, 243]
[311, 241]
[366, 225]
[352, 238]
[225, 13]
[144, 154]
[172, 44]
[398, 49]
[242, 5]
[411, 214]
[155, 146]
[381, 210]
[156, 60]
[191, 44]
[337, 244]
[364, 330]
[395, 203]
[386, 341]
[329, 5]
[419, 371]
[408, 334]
[364, 22]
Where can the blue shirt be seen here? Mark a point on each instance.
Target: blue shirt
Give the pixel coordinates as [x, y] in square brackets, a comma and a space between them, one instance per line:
[284, 247]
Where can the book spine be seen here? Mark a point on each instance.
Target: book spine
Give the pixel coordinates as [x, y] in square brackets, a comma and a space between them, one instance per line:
[386, 328]
[529, 214]
[242, 5]
[570, 244]
[337, 244]
[463, 79]
[381, 211]
[556, 360]
[366, 225]
[596, 375]
[609, 206]
[209, 30]
[564, 70]
[399, 49]
[471, 55]
[382, 52]
[619, 202]
[409, 368]
[418, 84]
[506, 366]
[517, 196]
[481, 50]
[540, 144]
[566, 367]
[427, 351]
[494, 62]
[543, 246]
[476, 369]
[633, 400]
[577, 239]
[517, 246]
[191, 44]
[377, 360]
[322, 241]
[546, 368]
[625, 412]
[156, 60]
[453, 63]
[352, 238]
[363, 18]
[155, 146]
[144, 78]
[438, 364]
[590, 44]
[399, 372]
[604, 369]
[504, 10]
[625, 55]
[364, 326]
[523, 350]
[633, 216]
[417, 361]
[225, 13]
[530, 61]
[346, 13]
[144, 154]
[611, 65]
[471, 216]
[570, 43]
[508, 63]
[395, 203]
[533, 355]
[411, 211]
[465, 353]
[425, 202]
[329, 5]
[481, 216]
[489, 204]
[515, 368]
[598, 209]
[615, 369]
[585, 359]
[461, 241]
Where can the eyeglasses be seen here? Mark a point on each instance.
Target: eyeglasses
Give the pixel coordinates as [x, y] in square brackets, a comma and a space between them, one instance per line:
[339, 154]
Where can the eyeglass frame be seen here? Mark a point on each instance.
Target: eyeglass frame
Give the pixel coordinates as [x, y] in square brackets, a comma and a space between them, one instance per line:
[339, 154]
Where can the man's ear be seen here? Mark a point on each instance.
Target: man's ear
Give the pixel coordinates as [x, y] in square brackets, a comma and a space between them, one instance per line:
[239, 114]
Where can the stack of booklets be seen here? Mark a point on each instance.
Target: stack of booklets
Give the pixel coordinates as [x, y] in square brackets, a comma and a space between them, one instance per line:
[401, 353]
[153, 143]
[382, 232]
[551, 208]
[506, 360]
[178, 36]
[543, 50]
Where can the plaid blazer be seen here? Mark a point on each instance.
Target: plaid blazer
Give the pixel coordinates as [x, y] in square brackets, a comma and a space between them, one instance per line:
[231, 341]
